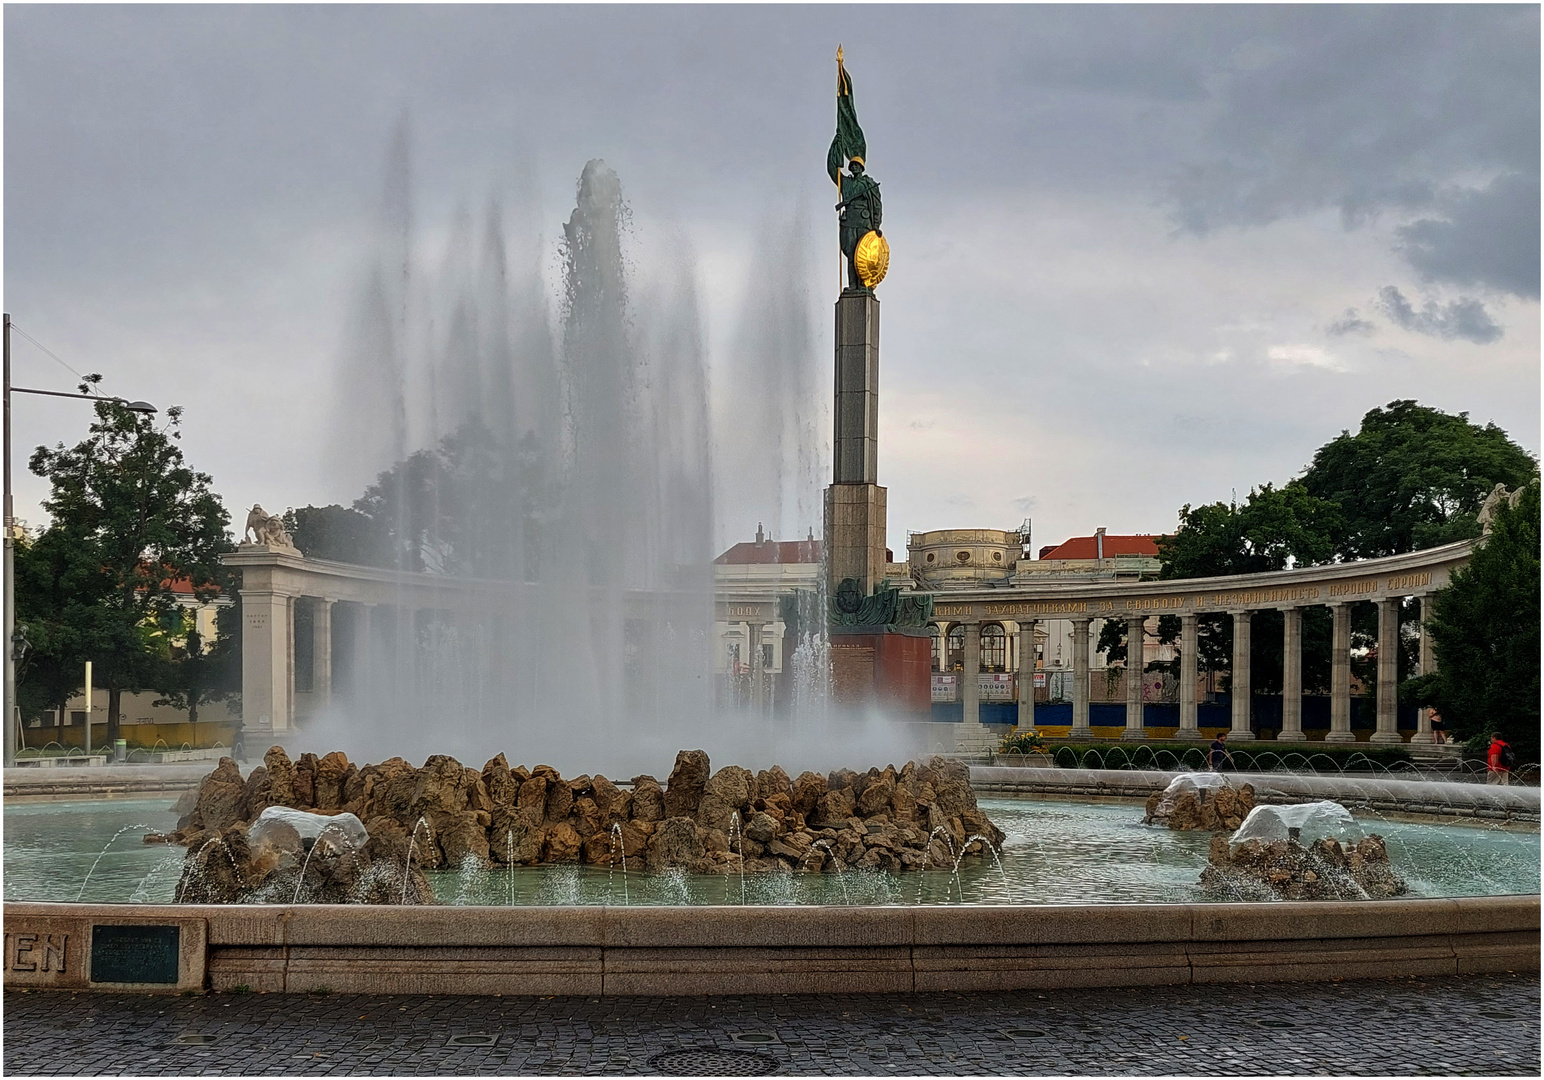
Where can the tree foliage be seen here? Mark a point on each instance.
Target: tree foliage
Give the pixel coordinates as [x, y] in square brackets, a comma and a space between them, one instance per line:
[1485, 630]
[468, 507]
[128, 519]
[1412, 477]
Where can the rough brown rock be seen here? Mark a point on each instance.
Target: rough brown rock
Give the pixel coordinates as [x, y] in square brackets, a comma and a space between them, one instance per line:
[772, 782]
[734, 785]
[676, 844]
[562, 845]
[877, 794]
[500, 784]
[761, 827]
[836, 805]
[221, 797]
[305, 782]
[688, 781]
[532, 800]
[807, 790]
[648, 799]
[604, 792]
[560, 800]
[332, 774]
[281, 777]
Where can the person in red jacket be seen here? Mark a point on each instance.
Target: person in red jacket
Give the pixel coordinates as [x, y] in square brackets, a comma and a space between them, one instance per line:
[1498, 761]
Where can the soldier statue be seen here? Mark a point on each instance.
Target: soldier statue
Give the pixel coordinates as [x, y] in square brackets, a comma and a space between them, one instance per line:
[861, 213]
[863, 245]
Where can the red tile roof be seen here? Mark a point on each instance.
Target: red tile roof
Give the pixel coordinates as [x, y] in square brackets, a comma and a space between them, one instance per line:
[1086, 547]
[771, 552]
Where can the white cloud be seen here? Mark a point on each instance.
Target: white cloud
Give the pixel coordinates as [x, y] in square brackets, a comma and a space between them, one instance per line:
[1296, 357]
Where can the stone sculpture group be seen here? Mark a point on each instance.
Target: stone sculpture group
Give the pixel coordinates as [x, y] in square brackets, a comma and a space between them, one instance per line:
[918, 817]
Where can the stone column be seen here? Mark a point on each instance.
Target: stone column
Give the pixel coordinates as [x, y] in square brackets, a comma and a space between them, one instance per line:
[321, 652]
[1292, 676]
[364, 614]
[1080, 726]
[1241, 731]
[970, 678]
[1388, 671]
[289, 660]
[1428, 656]
[1428, 665]
[1340, 675]
[753, 635]
[1189, 664]
[1134, 726]
[1026, 673]
[265, 671]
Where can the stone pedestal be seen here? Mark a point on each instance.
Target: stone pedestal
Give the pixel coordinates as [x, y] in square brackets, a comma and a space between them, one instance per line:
[267, 660]
[890, 668]
[855, 535]
[855, 503]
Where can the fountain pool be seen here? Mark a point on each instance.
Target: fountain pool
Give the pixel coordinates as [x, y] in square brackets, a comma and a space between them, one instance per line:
[1057, 852]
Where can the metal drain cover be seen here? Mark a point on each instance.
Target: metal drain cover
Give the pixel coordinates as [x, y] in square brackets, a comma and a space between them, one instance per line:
[1276, 1023]
[708, 1061]
[197, 1040]
[754, 1038]
[472, 1040]
[1023, 1033]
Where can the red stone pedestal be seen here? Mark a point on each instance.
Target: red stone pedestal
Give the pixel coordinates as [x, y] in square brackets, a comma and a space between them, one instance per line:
[892, 669]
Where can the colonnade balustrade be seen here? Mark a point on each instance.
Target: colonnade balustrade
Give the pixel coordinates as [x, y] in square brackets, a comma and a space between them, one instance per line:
[1385, 583]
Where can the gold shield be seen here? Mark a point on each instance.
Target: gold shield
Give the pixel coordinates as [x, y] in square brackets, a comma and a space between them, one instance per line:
[871, 259]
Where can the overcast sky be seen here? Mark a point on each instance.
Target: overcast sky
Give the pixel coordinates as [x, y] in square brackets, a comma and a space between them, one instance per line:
[1141, 256]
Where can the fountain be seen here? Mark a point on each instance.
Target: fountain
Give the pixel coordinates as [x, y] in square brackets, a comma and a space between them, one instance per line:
[540, 447]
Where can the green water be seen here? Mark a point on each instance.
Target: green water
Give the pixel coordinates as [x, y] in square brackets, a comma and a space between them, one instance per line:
[1057, 852]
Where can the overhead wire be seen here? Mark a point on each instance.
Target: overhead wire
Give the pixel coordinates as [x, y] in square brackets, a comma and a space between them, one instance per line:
[93, 392]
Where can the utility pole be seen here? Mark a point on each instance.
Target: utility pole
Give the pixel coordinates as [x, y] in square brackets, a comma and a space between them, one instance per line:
[12, 707]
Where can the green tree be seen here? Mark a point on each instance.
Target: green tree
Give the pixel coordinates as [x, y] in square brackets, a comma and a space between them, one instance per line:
[1412, 477]
[339, 533]
[1485, 631]
[59, 601]
[138, 518]
[192, 671]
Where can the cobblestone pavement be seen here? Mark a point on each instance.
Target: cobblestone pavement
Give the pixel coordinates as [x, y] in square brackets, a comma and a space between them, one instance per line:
[1485, 1025]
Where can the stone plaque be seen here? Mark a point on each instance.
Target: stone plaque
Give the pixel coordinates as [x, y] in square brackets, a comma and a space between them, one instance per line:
[135, 954]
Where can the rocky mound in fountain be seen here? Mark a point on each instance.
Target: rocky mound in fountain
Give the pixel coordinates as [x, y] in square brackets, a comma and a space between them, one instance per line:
[1200, 801]
[1296, 853]
[290, 856]
[924, 815]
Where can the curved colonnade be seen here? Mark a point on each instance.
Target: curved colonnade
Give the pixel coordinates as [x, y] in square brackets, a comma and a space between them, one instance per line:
[1384, 582]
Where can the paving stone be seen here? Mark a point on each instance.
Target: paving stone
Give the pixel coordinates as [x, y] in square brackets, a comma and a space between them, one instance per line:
[1398, 1027]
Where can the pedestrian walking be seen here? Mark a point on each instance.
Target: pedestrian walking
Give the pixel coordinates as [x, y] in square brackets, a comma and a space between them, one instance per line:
[1219, 752]
[1498, 761]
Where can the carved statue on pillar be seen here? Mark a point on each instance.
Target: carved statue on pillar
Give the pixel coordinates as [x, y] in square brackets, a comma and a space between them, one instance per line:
[266, 530]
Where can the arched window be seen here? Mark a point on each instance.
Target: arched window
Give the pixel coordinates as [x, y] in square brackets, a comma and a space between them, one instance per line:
[956, 647]
[938, 648]
[994, 648]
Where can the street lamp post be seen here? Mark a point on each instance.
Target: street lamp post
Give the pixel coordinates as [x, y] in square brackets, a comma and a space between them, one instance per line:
[12, 706]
